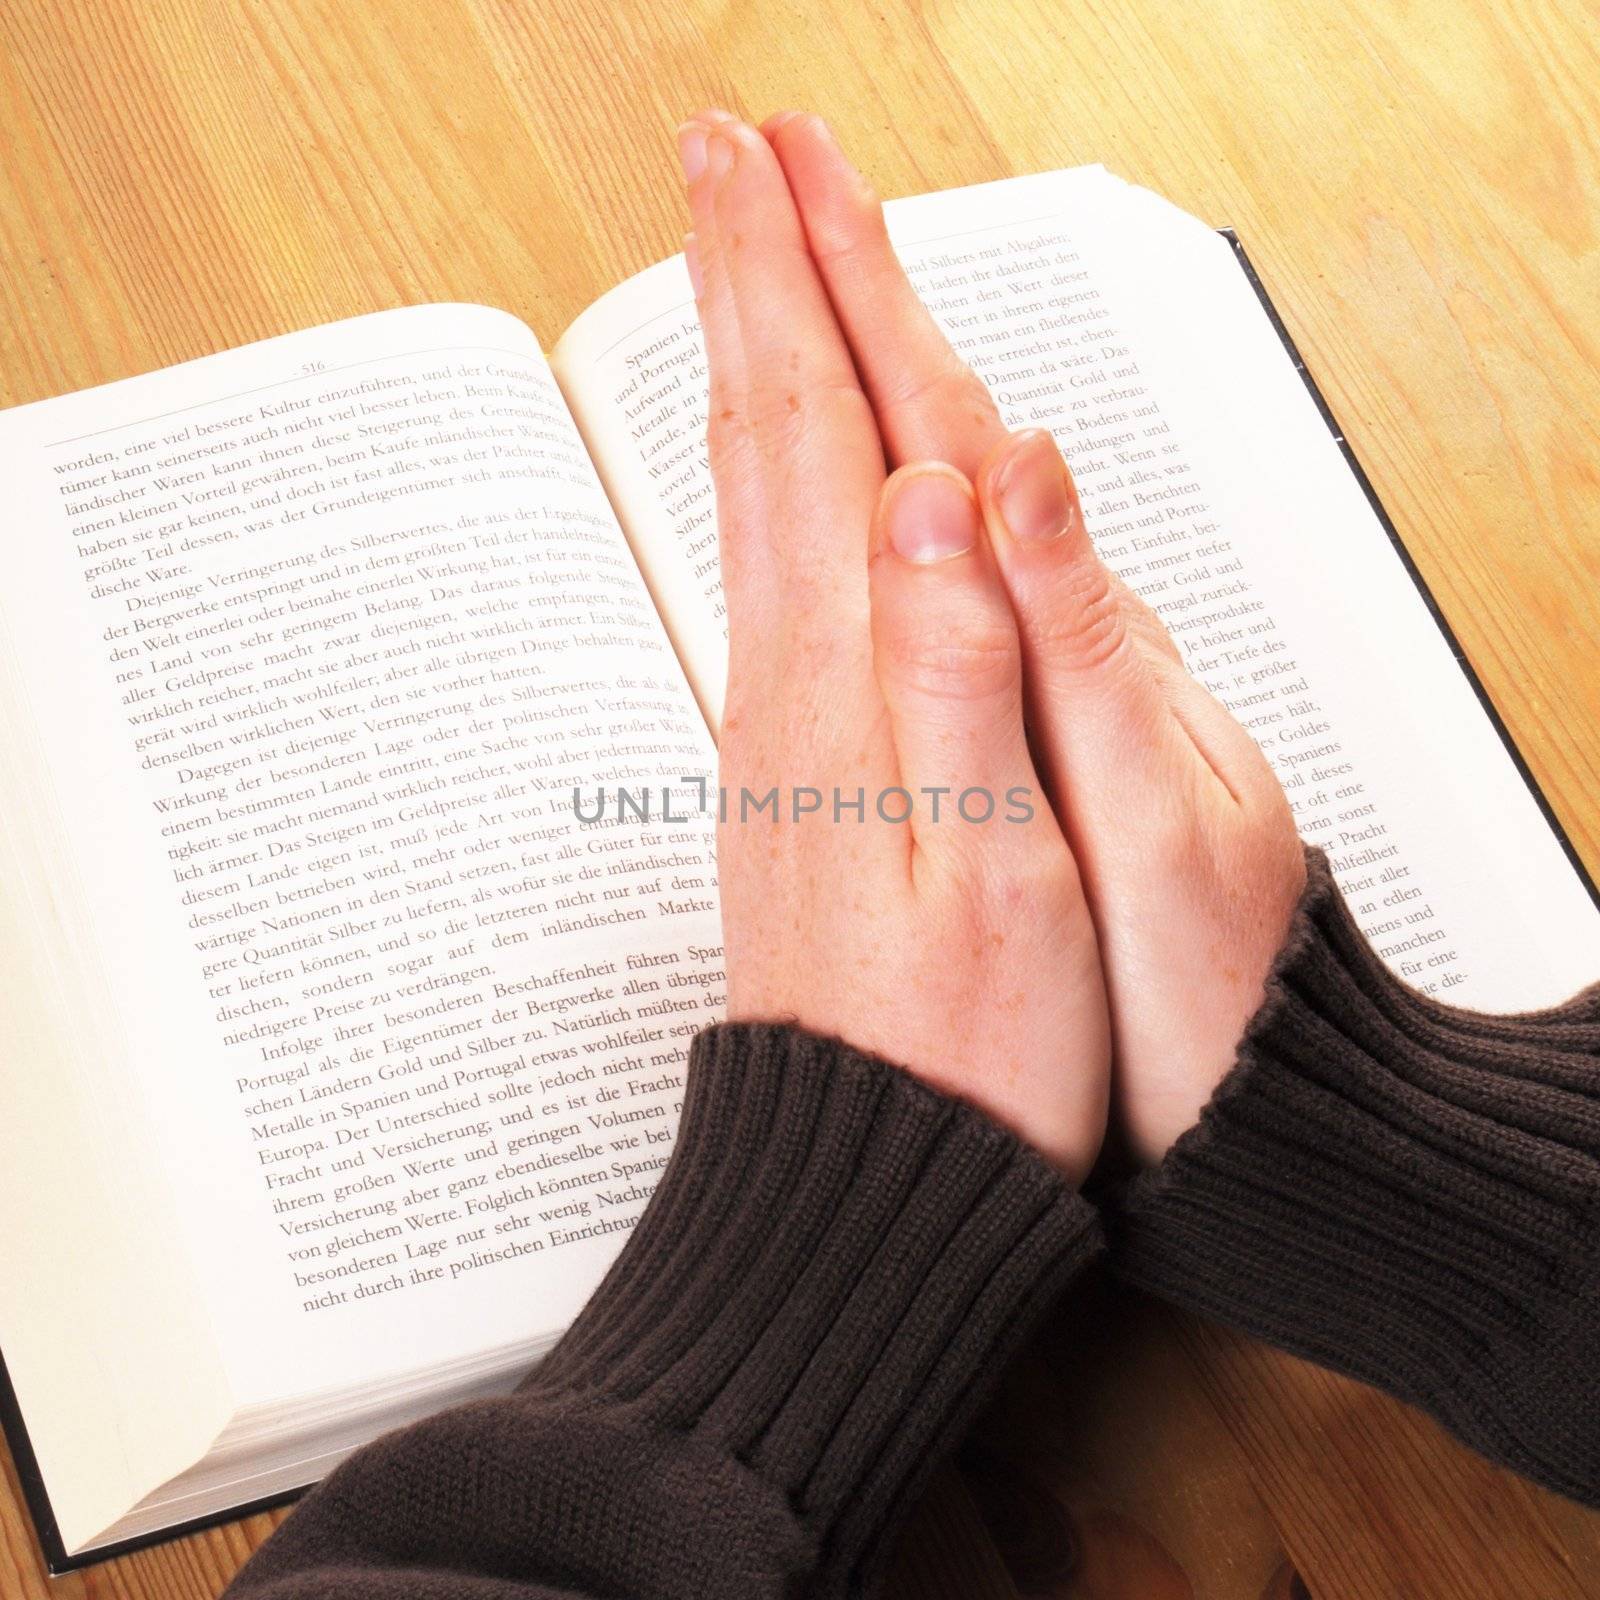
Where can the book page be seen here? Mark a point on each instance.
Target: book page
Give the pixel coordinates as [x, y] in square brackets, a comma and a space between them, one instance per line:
[336, 660]
[89, 1239]
[1212, 484]
[633, 370]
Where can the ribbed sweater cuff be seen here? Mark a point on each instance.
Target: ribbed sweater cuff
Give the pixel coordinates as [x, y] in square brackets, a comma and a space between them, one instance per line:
[1401, 1190]
[835, 1262]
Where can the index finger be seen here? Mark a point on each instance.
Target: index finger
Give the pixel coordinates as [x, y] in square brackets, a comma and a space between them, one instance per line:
[787, 405]
[929, 403]
[795, 454]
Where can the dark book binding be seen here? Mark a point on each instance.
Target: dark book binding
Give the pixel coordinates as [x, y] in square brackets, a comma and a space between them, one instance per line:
[1359, 473]
[37, 1496]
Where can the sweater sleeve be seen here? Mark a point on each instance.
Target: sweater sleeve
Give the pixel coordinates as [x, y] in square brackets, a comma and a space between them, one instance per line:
[834, 1264]
[1403, 1191]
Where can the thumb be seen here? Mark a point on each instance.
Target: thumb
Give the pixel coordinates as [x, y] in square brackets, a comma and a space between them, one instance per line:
[949, 664]
[1104, 718]
[1120, 720]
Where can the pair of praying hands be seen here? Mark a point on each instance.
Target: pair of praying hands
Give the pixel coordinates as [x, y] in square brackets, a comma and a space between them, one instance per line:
[914, 606]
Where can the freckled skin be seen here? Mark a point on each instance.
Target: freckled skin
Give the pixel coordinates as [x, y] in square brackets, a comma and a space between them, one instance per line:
[1145, 900]
[1185, 844]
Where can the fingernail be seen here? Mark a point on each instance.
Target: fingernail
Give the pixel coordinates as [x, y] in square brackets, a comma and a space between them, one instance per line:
[719, 153]
[1033, 492]
[931, 516]
[692, 150]
[691, 259]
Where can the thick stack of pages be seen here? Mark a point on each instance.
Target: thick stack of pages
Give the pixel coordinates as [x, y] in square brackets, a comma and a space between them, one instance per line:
[339, 1052]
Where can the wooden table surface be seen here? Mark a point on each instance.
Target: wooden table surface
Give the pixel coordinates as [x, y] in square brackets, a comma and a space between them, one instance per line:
[1417, 183]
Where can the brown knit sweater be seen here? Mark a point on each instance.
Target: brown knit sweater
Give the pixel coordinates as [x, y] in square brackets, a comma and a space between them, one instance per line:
[838, 1261]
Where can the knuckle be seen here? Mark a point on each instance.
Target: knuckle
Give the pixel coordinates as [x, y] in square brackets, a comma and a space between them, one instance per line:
[975, 663]
[953, 382]
[1145, 621]
[1081, 627]
[852, 232]
[780, 416]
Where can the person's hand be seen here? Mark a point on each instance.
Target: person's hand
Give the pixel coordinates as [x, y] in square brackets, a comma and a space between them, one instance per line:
[873, 653]
[1184, 837]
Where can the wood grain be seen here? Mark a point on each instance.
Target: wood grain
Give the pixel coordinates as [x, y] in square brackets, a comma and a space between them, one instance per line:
[1417, 183]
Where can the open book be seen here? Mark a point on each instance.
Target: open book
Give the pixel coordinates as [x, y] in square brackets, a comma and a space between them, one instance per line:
[339, 1052]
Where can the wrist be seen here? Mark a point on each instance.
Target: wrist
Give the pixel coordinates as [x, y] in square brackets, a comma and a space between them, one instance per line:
[1405, 1192]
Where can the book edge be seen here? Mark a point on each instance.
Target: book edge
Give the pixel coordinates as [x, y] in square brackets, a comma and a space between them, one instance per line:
[46, 1531]
[45, 1528]
[1412, 571]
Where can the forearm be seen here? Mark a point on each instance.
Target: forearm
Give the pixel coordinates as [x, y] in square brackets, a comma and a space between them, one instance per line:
[1402, 1191]
[835, 1262]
